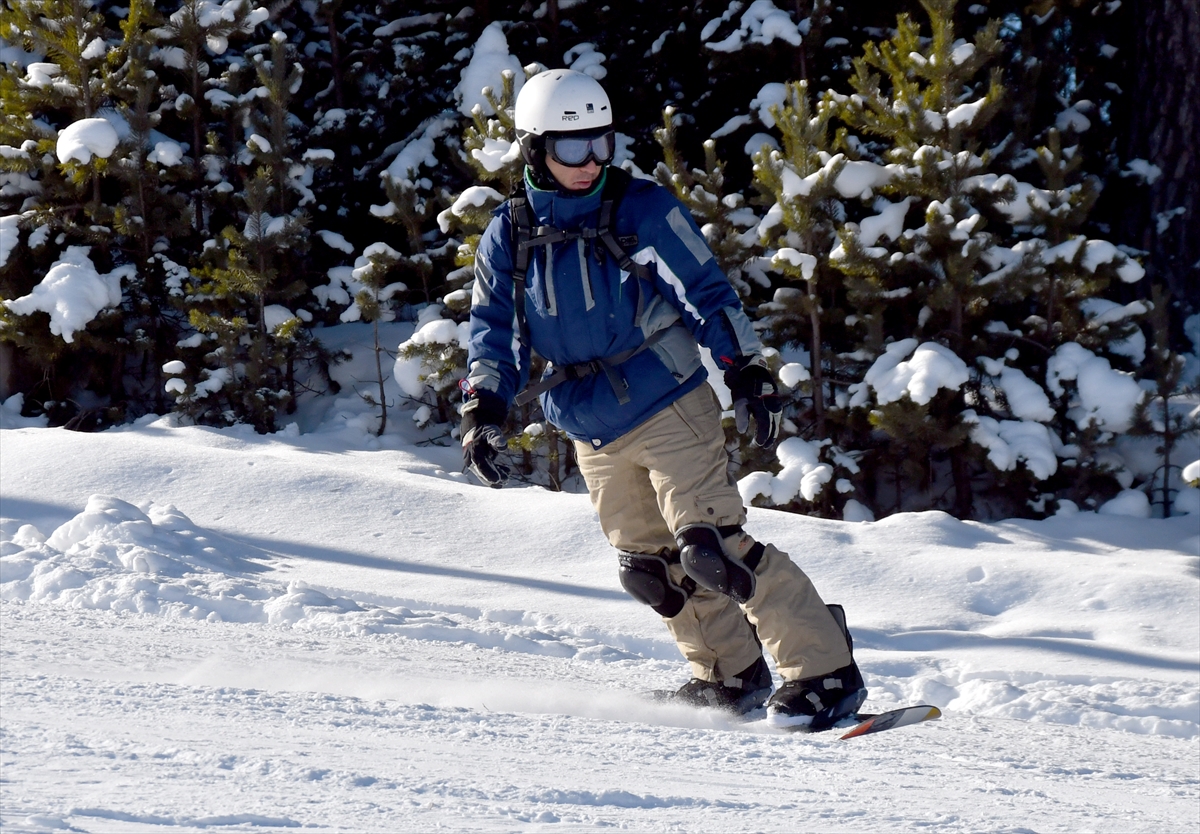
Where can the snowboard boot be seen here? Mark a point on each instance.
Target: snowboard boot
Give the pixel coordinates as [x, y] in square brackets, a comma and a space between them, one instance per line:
[743, 693]
[820, 702]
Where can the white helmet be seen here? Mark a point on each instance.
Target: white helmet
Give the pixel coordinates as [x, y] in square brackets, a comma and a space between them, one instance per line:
[562, 103]
[562, 100]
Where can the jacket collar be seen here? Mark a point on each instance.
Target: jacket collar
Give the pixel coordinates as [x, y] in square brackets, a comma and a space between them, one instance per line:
[565, 210]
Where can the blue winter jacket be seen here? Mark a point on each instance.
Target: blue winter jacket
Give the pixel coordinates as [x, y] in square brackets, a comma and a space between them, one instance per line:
[580, 306]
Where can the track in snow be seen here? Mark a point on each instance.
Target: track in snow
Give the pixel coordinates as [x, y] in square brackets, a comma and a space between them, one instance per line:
[129, 723]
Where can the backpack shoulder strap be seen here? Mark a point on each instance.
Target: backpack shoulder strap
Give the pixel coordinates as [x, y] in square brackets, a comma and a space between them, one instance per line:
[521, 218]
[616, 183]
[615, 186]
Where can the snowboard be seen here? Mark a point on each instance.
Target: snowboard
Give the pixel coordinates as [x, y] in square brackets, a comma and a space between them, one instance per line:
[865, 723]
[859, 724]
[890, 720]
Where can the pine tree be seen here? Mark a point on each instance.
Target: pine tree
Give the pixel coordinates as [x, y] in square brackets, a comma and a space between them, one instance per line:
[62, 91]
[74, 35]
[33, 96]
[197, 30]
[995, 300]
[728, 225]
[400, 66]
[373, 305]
[272, 143]
[490, 151]
[151, 219]
[435, 351]
[925, 101]
[236, 304]
[803, 179]
[1057, 303]
[800, 228]
[255, 277]
[1168, 416]
[430, 364]
[411, 208]
[72, 151]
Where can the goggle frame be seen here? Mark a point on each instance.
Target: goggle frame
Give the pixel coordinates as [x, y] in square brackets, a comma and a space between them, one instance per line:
[590, 153]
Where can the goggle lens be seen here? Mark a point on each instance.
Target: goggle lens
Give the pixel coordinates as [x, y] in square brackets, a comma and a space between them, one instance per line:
[576, 152]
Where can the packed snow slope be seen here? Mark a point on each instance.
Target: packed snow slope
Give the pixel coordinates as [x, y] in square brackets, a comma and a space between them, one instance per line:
[213, 630]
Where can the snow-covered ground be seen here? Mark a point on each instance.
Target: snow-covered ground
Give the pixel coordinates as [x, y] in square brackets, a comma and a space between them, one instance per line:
[214, 630]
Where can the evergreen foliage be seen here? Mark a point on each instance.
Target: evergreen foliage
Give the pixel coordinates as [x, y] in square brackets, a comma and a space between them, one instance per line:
[800, 228]
[215, 182]
[372, 303]
[1169, 417]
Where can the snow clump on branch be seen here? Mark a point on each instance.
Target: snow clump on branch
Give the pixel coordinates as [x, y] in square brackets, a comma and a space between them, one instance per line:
[82, 140]
[491, 58]
[761, 24]
[73, 293]
[803, 474]
[931, 367]
[1105, 397]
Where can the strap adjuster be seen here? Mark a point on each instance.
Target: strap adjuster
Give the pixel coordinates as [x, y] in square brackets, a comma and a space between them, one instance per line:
[579, 370]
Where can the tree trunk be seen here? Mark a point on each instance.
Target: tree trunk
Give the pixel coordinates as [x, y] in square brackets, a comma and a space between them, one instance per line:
[815, 370]
[335, 55]
[552, 16]
[960, 471]
[1164, 129]
[552, 459]
[1168, 442]
[379, 376]
[197, 140]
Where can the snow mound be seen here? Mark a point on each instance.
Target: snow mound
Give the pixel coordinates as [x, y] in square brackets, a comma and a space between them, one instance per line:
[115, 556]
[156, 562]
[1129, 502]
[10, 415]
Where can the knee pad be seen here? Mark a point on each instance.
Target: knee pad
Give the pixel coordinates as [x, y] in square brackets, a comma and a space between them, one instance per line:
[646, 577]
[705, 561]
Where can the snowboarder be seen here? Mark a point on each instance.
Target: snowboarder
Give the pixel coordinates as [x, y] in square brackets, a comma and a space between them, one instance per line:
[609, 279]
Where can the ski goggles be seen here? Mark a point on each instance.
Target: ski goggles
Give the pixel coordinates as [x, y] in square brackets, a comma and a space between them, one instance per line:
[575, 151]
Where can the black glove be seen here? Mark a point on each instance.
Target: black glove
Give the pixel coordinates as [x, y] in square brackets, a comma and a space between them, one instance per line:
[480, 449]
[755, 394]
[482, 439]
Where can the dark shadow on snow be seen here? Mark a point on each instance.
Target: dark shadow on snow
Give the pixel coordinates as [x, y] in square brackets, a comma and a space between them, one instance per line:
[44, 516]
[934, 640]
[363, 560]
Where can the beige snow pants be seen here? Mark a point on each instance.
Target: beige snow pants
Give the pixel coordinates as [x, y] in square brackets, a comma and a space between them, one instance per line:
[671, 471]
